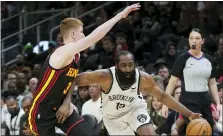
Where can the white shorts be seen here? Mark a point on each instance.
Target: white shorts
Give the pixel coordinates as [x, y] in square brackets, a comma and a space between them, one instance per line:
[128, 123]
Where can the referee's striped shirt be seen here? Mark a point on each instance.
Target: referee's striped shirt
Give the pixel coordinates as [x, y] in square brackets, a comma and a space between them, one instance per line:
[194, 74]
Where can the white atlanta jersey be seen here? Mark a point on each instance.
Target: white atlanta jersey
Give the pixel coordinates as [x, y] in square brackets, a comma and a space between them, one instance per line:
[118, 102]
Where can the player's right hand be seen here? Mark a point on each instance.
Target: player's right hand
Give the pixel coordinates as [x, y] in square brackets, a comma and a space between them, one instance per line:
[195, 116]
[63, 112]
[129, 9]
[165, 111]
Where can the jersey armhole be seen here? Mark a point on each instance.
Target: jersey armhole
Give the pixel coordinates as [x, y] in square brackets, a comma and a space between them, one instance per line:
[111, 82]
[62, 67]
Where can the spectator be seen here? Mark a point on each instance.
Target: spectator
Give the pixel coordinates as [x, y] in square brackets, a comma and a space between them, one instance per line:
[13, 116]
[22, 84]
[12, 90]
[32, 85]
[173, 115]
[21, 87]
[105, 59]
[29, 55]
[20, 62]
[159, 63]
[171, 54]
[82, 97]
[137, 24]
[159, 82]
[121, 43]
[219, 58]
[28, 72]
[156, 116]
[36, 70]
[93, 106]
[11, 77]
[163, 71]
[3, 110]
[202, 23]
[24, 128]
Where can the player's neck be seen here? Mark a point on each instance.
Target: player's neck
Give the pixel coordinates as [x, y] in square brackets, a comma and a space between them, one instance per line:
[68, 40]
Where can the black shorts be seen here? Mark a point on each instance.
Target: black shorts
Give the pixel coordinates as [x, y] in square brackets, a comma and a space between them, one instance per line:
[44, 123]
[204, 109]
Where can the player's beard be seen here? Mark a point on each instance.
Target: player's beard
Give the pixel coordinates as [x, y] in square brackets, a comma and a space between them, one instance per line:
[124, 78]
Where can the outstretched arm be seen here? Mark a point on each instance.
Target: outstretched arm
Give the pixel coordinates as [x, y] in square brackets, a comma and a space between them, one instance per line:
[101, 77]
[149, 84]
[66, 52]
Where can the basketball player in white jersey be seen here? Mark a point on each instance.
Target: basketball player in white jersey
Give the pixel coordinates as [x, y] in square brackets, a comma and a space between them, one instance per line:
[123, 108]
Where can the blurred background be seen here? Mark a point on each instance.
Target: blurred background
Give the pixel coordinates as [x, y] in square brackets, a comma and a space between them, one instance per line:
[156, 35]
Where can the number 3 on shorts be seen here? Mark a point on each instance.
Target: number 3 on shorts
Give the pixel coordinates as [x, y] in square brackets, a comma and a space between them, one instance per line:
[68, 88]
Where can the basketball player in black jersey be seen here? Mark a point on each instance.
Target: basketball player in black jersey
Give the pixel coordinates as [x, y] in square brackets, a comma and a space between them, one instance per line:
[56, 80]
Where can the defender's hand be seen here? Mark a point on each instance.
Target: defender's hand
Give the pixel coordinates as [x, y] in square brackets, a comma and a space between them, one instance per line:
[129, 9]
[64, 112]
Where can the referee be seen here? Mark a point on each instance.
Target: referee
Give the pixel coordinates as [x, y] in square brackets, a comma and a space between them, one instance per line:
[196, 71]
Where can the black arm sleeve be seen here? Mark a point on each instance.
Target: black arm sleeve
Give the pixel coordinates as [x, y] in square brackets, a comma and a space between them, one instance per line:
[179, 65]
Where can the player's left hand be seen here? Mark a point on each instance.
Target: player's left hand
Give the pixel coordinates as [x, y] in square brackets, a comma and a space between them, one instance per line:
[63, 112]
[195, 116]
[129, 9]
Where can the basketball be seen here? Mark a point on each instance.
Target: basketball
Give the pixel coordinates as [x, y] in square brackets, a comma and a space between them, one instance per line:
[198, 127]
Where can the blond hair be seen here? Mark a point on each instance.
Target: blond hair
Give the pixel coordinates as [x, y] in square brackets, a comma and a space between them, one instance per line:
[68, 24]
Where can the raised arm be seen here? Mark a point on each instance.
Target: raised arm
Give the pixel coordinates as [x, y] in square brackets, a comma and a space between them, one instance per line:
[67, 52]
[149, 84]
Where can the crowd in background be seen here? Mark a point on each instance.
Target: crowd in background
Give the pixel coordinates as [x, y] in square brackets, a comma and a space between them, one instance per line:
[156, 35]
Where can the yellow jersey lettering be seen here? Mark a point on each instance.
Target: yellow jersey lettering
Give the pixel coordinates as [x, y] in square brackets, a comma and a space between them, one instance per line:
[72, 72]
